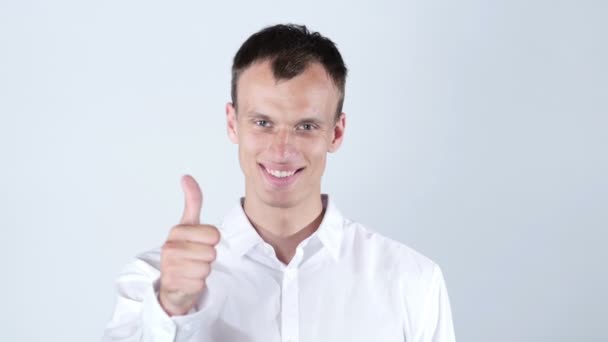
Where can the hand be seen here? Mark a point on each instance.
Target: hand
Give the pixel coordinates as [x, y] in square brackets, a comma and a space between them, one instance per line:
[187, 255]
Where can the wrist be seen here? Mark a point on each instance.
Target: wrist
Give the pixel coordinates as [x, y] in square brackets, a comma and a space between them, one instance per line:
[170, 308]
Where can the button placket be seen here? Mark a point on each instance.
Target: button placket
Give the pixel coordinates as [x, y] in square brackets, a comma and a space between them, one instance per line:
[290, 312]
[290, 306]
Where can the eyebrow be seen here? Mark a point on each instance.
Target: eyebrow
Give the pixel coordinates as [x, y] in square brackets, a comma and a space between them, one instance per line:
[311, 119]
[257, 115]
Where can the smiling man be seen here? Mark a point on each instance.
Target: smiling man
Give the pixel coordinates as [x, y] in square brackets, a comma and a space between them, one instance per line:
[284, 264]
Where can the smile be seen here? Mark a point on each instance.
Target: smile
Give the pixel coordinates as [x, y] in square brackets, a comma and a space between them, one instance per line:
[280, 177]
[280, 174]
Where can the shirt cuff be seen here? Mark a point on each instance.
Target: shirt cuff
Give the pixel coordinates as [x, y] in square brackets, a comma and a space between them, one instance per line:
[158, 326]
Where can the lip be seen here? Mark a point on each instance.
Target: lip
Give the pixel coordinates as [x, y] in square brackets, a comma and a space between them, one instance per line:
[280, 182]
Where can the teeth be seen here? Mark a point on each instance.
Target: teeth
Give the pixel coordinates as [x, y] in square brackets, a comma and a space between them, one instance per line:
[280, 174]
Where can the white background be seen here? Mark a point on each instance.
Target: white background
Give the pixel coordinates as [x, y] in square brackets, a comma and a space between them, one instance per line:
[476, 134]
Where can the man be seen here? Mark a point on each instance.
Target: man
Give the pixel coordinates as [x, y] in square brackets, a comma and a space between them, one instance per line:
[284, 265]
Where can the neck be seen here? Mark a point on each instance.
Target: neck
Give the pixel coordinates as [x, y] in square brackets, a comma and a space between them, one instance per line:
[285, 228]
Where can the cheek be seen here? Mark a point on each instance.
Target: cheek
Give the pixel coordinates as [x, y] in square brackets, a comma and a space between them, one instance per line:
[247, 159]
[316, 152]
[250, 145]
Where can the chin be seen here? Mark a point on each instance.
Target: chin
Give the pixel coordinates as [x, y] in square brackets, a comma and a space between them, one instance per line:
[283, 199]
[280, 200]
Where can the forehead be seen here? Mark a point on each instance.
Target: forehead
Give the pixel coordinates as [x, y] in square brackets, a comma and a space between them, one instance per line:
[311, 92]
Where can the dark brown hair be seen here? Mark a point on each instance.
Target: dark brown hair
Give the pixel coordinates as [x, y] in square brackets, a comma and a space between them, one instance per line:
[291, 49]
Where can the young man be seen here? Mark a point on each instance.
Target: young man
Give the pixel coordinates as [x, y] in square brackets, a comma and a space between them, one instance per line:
[284, 265]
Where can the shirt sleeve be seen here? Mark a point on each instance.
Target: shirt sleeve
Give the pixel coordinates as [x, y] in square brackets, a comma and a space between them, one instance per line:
[437, 324]
[138, 315]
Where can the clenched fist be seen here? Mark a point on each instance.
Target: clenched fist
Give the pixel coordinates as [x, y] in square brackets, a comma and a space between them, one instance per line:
[187, 255]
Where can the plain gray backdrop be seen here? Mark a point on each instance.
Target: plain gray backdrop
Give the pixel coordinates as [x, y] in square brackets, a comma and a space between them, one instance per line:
[476, 134]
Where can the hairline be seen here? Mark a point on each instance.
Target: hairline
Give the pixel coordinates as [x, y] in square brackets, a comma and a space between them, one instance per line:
[236, 76]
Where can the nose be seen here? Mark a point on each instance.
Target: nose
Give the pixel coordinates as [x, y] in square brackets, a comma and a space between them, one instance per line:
[281, 145]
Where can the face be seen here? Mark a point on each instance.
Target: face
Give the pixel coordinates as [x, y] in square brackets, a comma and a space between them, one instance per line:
[284, 131]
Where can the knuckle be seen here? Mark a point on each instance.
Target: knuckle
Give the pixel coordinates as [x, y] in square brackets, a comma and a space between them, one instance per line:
[174, 230]
[199, 286]
[214, 234]
[166, 269]
[212, 253]
[168, 249]
[205, 269]
[167, 246]
[177, 230]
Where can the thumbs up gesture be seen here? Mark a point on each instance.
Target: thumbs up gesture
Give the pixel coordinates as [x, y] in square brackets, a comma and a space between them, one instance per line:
[187, 255]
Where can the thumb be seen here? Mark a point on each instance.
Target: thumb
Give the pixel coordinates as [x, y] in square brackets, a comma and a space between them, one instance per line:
[194, 201]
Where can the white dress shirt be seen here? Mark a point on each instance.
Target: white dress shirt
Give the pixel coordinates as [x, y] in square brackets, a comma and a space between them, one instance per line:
[345, 283]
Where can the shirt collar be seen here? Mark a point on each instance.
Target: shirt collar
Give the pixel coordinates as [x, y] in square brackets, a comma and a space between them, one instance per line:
[241, 237]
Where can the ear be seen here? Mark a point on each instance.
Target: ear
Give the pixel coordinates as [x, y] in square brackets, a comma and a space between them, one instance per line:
[338, 133]
[231, 123]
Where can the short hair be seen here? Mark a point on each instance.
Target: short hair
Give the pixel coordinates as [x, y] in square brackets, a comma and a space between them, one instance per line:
[291, 49]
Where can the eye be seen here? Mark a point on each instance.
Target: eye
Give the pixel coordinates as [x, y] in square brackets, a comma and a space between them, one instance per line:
[262, 123]
[306, 127]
